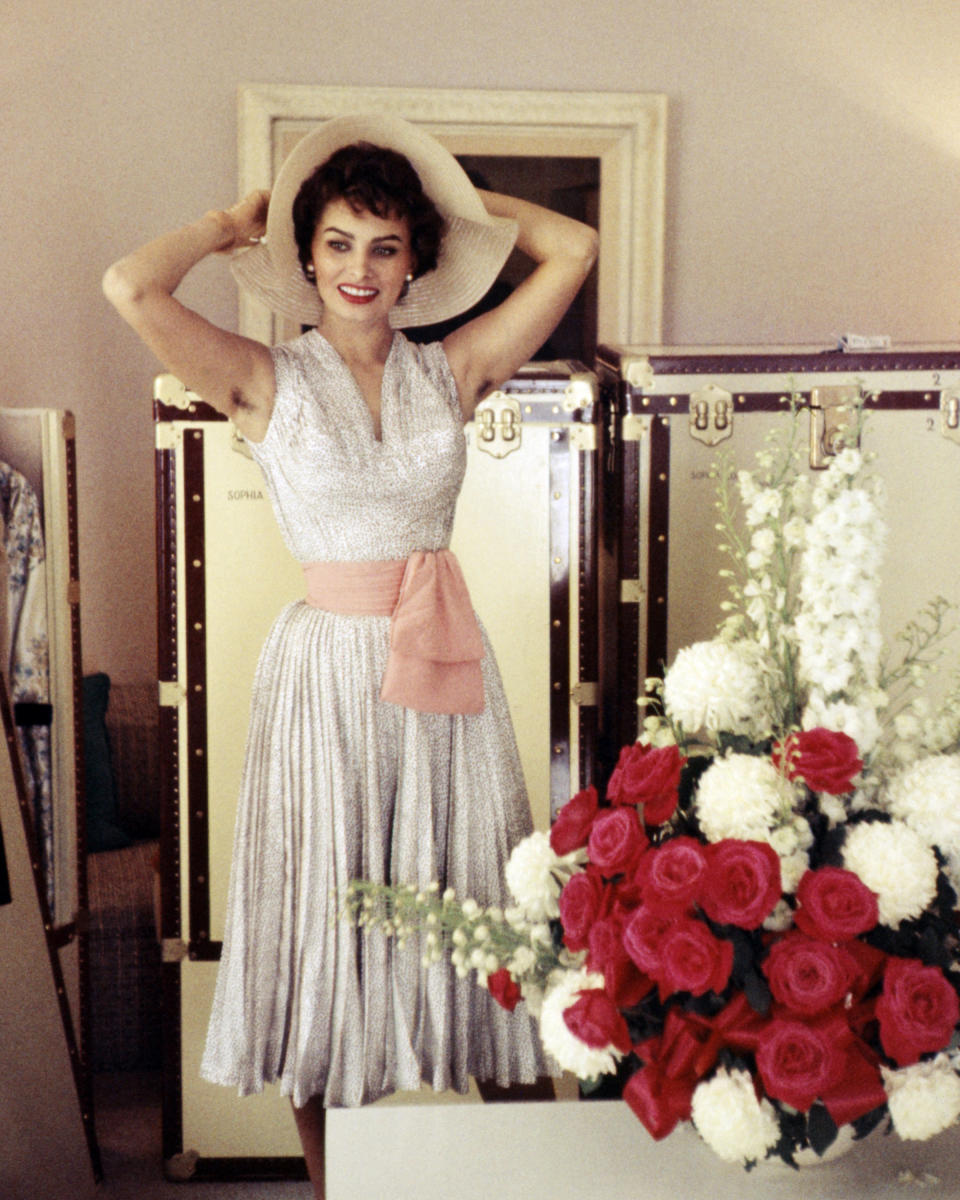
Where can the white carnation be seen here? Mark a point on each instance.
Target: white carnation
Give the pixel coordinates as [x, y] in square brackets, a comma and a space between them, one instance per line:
[570, 1053]
[743, 796]
[923, 1099]
[731, 1120]
[535, 876]
[895, 863]
[719, 687]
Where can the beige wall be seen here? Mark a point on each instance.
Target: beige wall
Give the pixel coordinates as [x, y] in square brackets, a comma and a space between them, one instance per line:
[812, 183]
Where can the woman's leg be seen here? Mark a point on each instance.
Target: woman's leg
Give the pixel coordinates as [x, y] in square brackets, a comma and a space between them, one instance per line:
[493, 1093]
[311, 1126]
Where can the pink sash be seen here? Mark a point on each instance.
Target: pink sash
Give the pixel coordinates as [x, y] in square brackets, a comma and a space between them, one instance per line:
[435, 642]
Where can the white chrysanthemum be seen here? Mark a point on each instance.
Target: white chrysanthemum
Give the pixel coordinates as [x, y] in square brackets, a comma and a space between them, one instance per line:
[731, 1120]
[781, 919]
[927, 796]
[535, 876]
[717, 686]
[923, 1099]
[895, 863]
[793, 867]
[571, 1054]
[743, 796]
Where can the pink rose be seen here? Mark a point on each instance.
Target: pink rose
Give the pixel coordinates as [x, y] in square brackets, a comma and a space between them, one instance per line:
[825, 760]
[647, 775]
[693, 960]
[670, 876]
[799, 1061]
[835, 905]
[504, 989]
[571, 828]
[742, 883]
[918, 1010]
[596, 1021]
[809, 976]
[580, 903]
[616, 841]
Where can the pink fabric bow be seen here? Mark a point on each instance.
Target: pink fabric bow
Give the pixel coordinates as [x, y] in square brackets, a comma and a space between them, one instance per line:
[435, 642]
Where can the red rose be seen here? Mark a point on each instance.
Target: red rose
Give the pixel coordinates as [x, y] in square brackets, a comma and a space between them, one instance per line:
[624, 982]
[798, 1062]
[616, 841]
[647, 775]
[580, 903]
[835, 905]
[918, 1010]
[826, 761]
[670, 876]
[571, 828]
[742, 883]
[809, 976]
[596, 1021]
[693, 960]
[643, 935]
[504, 989]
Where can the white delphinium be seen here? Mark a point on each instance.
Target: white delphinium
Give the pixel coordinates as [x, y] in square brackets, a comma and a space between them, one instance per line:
[926, 795]
[921, 728]
[895, 863]
[586, 1062]
[742, 796]
[839, 644]
[535, 876]
[718, 687]
[735, 1124]
[923, 1099]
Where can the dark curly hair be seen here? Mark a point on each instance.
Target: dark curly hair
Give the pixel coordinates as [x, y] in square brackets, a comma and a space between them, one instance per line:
[376, 180]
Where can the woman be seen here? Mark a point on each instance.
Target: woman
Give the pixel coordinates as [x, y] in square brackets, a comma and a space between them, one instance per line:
[380, 744]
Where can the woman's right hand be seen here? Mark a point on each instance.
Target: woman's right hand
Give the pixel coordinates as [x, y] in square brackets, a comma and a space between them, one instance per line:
[245, 221]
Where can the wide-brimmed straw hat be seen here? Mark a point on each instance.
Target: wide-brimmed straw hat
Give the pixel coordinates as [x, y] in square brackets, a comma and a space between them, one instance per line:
[475, 244]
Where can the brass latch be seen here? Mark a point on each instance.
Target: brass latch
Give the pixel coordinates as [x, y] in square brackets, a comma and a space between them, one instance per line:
[711, 414]
[950, 413]
[171, 693]
[633, 427]
[173, 950]
[498, 425]
[586, 695]
[834, 424]
[583, 437]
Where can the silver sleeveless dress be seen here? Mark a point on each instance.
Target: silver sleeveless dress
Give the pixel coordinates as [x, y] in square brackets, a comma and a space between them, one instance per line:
[339, 785]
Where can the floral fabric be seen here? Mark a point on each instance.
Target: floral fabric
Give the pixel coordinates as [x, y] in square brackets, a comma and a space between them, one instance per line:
[26, 651]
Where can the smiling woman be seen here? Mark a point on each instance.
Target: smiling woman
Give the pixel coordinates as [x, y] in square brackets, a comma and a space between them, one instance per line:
[380, 742]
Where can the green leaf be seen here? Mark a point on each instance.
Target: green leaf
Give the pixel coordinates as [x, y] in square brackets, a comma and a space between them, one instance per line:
[821, 1128]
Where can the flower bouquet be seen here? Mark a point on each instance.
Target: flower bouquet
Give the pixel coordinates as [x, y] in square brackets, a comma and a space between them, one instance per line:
[753, 928]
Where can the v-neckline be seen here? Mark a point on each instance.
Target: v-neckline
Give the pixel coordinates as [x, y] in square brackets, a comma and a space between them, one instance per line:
[358, 390]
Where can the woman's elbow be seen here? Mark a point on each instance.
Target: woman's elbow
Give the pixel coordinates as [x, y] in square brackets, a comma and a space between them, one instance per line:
[589, 248]
[120, 288]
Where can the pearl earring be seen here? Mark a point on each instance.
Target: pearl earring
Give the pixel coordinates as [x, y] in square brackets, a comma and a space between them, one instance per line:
[311, 271]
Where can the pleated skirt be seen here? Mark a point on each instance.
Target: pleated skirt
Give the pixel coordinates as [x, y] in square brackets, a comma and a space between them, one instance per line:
[338, 785]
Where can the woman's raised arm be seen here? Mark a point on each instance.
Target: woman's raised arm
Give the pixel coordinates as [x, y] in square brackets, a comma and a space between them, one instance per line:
[232, 373]
[488, 350]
